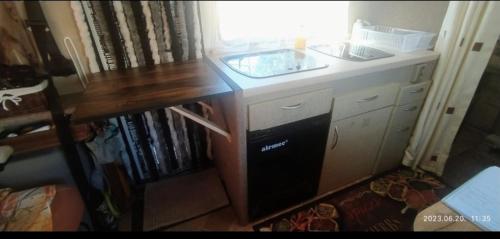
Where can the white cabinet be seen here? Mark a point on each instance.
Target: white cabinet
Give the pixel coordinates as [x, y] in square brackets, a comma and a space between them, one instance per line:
[401, 125]
[352, 149]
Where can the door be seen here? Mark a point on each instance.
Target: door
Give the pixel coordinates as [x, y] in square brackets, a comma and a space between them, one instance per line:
[392, 151]
[284, 164]
[352, 148]
[398, 134]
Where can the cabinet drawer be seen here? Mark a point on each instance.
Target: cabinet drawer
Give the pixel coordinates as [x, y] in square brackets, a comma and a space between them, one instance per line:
[285, 110]
[406, 115]
[413, 92]
[364, 101]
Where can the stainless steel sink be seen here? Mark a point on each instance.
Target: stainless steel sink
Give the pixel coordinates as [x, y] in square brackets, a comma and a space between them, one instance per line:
[272, 63]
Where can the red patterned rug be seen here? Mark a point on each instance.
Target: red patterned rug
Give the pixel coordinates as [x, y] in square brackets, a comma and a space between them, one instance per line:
[387, 203]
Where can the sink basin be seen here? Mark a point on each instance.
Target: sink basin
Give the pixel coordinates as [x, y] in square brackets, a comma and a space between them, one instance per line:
[272, 63]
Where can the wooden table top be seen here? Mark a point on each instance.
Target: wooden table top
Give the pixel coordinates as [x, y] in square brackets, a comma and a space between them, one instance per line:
[115, 93]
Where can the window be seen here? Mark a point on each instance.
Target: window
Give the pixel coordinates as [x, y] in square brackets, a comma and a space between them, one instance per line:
[257, 22]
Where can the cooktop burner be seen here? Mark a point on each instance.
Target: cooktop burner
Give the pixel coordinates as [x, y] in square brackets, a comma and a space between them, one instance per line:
[351, 52]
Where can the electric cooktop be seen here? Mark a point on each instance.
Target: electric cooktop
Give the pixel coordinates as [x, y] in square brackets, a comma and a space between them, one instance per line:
[351, 52]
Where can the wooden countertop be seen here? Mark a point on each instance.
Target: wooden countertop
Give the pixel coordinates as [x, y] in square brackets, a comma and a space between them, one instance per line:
[114, 93]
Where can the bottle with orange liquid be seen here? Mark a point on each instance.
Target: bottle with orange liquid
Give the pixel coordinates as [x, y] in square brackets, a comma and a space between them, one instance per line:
[300, 39]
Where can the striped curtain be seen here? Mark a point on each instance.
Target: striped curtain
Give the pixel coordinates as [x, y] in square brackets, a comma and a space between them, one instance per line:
[120, 35]
[128, 34]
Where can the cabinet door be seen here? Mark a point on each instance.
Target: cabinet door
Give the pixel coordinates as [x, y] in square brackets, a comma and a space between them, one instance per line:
[352, 149]
[398, 134]
[392, 150]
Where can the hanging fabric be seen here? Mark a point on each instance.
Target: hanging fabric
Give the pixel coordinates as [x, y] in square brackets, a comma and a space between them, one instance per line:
[157, 21]
[85, 36]
[172, 31]
[130, 25]
[16, 47]
[127, 39]
[100, 34]
[153, 44]
[122, 59]
[455, 80]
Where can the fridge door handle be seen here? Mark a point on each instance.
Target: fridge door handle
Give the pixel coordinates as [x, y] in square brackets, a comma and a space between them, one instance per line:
[336, 132]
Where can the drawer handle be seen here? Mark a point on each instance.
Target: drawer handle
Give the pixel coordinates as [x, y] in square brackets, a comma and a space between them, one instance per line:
[368, 99]
[336, 132]
[417, 91]
[291, 107]
[404, 129]
[411, 108]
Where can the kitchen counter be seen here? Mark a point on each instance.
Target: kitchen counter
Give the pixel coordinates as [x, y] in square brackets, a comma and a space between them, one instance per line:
[371, 103]
[337, 69]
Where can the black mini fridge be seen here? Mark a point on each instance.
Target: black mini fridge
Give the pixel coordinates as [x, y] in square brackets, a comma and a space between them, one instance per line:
[284, 164]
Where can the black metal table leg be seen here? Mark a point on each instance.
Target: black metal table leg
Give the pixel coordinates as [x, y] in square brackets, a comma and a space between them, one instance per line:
[70, 150]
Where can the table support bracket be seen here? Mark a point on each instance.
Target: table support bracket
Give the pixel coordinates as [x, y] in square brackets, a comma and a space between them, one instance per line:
[200, 120]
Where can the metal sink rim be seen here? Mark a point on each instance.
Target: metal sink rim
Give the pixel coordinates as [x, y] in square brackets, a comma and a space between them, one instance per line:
[225, 58]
